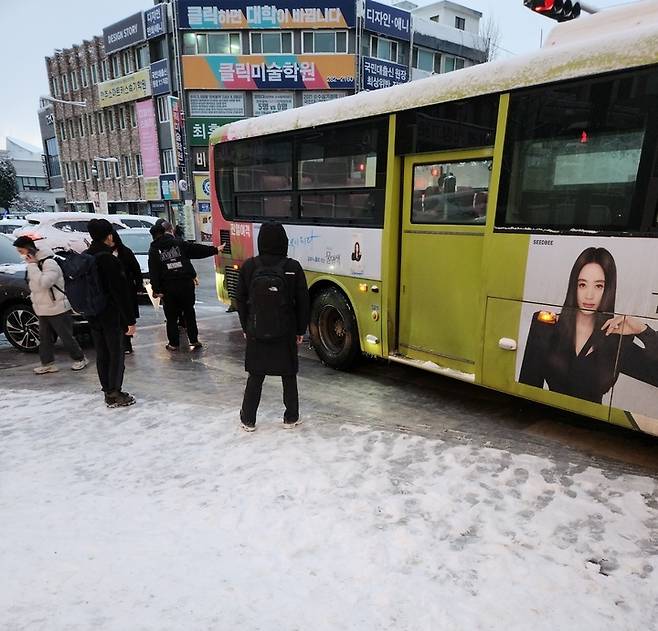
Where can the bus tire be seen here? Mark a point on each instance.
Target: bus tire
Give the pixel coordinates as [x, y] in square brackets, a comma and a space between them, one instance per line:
[333, 328]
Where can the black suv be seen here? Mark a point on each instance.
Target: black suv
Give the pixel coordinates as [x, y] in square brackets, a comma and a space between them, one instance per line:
[17, 318]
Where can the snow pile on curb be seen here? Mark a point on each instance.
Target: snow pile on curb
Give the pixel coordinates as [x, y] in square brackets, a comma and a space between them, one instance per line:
[166, 516]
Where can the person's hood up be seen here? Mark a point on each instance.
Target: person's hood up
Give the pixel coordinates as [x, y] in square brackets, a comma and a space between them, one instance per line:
[272, 239]
[164, 242]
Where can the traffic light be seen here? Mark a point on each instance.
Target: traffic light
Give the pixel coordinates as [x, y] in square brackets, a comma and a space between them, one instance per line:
[560, 10]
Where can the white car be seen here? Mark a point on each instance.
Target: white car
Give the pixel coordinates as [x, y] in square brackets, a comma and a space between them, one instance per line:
[139, 241]
[7, 226]
[63, 231]
[136, 221]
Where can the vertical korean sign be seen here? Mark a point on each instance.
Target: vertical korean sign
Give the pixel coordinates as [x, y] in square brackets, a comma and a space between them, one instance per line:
[177, 134]
[148, 138]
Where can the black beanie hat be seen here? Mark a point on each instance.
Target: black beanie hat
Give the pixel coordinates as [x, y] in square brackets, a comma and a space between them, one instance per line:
[99, 229]
[272, 239]
[24, 242]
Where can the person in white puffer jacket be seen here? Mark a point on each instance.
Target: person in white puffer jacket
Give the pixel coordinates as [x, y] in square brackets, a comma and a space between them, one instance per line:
[50, 304]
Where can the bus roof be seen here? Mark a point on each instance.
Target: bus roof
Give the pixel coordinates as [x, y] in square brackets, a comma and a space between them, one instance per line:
[622, 37]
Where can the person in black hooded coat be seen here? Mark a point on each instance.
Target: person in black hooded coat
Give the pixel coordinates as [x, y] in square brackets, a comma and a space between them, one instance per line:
[278, 356]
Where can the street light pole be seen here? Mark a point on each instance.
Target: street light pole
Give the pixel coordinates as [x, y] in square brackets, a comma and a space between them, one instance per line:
[73, 103]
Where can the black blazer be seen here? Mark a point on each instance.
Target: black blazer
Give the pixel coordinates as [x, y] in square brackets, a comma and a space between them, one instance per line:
[590, 374]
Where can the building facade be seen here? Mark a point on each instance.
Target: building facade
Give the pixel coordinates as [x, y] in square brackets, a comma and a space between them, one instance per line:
[158, 83]
[31, 176]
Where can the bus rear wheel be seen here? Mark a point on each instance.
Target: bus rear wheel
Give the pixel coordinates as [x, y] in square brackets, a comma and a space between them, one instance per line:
[334, 331]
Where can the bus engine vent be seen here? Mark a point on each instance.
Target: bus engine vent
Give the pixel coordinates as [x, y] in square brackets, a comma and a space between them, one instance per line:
[231, 279]
[225, 237]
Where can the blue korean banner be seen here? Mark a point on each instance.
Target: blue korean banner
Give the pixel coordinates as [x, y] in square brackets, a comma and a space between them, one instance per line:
[282, 14]
[160, 77]
[389, 21]
[382, 74]
[155, 21]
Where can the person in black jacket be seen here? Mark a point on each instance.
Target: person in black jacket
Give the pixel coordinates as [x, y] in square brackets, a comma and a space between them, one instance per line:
[117, 319]
[276, 356]
[172, 278]
[582, 351]
[133, 273]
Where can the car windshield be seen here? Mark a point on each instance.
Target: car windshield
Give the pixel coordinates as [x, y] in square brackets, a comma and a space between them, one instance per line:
[8, 253]
[138, 242]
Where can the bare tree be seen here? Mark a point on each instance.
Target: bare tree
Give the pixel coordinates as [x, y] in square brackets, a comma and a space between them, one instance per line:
[24, 205]
[489, 37]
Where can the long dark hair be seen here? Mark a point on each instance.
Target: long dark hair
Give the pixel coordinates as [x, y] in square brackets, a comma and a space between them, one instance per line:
[601, 257]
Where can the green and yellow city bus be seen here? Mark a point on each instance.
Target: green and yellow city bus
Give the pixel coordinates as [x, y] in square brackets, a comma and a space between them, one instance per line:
[496, 224]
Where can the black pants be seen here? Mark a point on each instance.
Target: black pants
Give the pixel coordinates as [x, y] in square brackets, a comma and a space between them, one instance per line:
[62, 325]
[179, 301]
[252, 398]
[108, 341]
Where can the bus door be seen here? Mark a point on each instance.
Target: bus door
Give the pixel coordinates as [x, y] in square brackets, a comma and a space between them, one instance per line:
[443, 225]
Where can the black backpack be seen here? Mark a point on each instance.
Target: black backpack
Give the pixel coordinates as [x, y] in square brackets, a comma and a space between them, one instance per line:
[270, 304]
[82, 284]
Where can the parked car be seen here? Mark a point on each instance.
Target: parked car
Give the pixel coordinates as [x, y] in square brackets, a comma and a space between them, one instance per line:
[7, 226]
[18, 321]
[136, 221]
[63, 231]
[139, 240]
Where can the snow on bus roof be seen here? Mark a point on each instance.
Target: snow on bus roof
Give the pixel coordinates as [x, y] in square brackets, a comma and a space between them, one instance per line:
[626, 36]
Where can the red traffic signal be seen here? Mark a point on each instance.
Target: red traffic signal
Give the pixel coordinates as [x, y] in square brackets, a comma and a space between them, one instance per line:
[560, 10]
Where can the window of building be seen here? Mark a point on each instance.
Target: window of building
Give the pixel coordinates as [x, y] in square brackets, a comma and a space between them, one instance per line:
[163, 109]
[90, 124]
[76, 171]
[139, 170]
[54, 86]
[109, 117]
[589, 168]
[425, 59]
[74, 80]
[386, 49]
[84, 78]
[71, 127]
[142, 56]
[67, 171]
[65, 84]
[460, 23]
[452, 63]
[271, 43]
[94, 74]
[106, 170]
[99, 123]
[133, 115]
[85, 171]
[62, 130]
[105, 70]
[127, 166]
[212, 44]
[168, 163]
[324, 41]
[31, 184]
[116, 66]
[122, 117]
[128, 60]
[81, 127]
[52, 155]
[117, 169]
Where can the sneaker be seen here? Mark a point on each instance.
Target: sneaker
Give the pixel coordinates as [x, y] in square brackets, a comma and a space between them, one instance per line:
[247, 427]
[44, 368]
[195, 346]
[119, 400]
[80, 364]
[128, 351]
[291, 424]
[169, 347]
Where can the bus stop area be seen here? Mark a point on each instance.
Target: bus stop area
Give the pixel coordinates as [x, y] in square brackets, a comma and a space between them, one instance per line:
[404, 501]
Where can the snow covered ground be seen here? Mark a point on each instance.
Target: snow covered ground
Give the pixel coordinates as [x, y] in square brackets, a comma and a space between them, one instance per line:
[166, 516]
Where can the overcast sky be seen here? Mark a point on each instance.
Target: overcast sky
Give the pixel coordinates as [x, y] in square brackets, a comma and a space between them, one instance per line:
[32, 29]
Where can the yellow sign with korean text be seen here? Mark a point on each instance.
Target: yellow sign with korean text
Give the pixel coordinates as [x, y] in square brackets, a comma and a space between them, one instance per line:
[151, 188]
[129, 88]
[202, 187]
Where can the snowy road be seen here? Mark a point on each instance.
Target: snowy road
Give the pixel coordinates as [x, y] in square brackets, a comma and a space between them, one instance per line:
[166, 516]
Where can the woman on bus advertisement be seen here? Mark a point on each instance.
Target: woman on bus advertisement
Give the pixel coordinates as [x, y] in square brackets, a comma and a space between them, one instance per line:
[578, 352]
